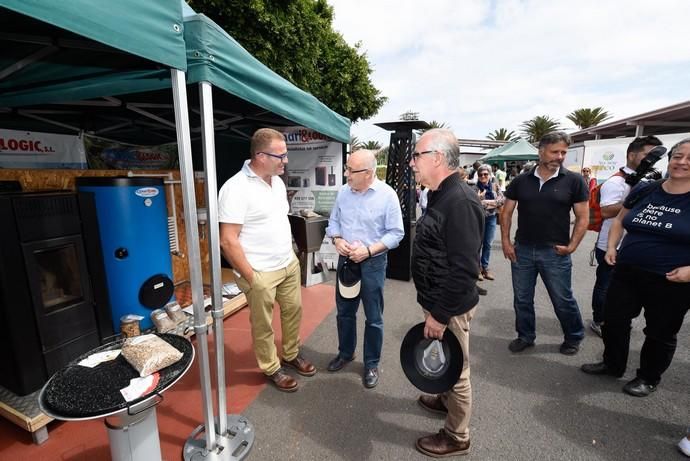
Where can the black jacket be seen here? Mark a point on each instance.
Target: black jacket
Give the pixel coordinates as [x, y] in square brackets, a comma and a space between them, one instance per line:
[445, 254]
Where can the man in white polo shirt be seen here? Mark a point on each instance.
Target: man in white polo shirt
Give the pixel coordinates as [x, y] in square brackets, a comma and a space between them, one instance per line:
[255, 238]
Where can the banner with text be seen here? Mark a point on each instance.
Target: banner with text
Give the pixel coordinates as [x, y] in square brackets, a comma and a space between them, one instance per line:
[104, 154]
[30, 149]
[313, 176]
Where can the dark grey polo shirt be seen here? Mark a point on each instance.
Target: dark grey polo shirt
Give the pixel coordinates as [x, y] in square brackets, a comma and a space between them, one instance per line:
[544, 215]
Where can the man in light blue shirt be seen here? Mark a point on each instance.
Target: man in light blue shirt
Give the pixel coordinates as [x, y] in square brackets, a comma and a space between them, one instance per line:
[366, 222]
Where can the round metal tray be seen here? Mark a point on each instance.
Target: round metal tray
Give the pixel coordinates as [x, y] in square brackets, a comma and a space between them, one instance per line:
[78, 393]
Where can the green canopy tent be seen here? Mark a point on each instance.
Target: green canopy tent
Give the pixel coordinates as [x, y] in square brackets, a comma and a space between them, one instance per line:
[518, 149]
[126, 102]
[74, 52]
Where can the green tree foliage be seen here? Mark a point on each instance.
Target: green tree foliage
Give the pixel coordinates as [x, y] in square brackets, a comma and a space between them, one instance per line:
[537, 127]
[432, 124]
[295, 38]
[371, 145]
[355, 143]
[502, 134]
[587, 117]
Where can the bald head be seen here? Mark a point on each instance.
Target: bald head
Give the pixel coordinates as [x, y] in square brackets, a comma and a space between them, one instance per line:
[361, 169]
[365, 158]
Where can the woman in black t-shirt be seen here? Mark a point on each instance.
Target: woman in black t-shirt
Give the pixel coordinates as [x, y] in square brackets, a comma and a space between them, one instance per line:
[652, 271]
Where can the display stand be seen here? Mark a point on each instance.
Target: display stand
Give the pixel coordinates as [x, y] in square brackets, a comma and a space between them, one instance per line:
[131, 426]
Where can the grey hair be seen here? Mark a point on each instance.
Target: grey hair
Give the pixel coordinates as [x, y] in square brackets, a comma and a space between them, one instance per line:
[553, 138]
[677, 145]
[484, 167]
[443, 140]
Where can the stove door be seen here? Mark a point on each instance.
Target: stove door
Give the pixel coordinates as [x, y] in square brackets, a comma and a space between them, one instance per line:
[60, 288]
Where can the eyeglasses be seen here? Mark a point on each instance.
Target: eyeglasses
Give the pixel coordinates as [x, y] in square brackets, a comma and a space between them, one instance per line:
[349, 170]
[483, 174]
[415, 155]
[281, 157]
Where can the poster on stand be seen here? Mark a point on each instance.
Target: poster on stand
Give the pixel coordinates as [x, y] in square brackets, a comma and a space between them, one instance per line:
[606, 156]
[31, 149]
[104, 154]
[313, 177]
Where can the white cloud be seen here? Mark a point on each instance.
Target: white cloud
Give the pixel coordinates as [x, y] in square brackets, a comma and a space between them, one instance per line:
[479, 65]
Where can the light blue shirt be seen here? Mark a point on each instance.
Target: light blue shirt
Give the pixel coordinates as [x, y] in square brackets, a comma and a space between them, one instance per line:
[370, 216]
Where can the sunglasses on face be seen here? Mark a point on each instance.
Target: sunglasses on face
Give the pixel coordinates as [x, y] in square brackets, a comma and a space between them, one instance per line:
[415, 155]
[483, 174]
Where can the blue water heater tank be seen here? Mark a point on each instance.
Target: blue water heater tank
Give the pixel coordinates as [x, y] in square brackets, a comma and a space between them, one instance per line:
[132, 219]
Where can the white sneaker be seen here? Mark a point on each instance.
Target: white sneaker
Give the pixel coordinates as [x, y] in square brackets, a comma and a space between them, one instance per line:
[684, 446]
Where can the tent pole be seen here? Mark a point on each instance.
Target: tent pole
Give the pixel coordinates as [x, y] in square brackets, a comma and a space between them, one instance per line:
[193, 253]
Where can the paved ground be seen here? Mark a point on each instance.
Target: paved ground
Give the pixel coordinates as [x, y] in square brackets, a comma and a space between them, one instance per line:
[535, 405]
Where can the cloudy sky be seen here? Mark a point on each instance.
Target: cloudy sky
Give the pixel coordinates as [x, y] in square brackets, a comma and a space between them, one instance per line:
[479, 65]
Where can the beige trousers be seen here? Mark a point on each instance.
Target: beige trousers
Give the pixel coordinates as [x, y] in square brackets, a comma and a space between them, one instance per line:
[282, 286]
[458, 400]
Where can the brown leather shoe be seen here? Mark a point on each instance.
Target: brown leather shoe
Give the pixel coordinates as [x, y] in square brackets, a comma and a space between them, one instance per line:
[441, 445]
[283, 381]
[301, 365]
[432, 403]
[488, 275]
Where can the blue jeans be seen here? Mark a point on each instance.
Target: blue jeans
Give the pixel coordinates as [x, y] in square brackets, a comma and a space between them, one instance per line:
[371, 295]
[555, 270]
[601, 286]
[489, 231]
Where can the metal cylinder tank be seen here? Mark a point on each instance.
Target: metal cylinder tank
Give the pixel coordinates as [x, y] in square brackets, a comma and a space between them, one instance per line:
[132, 220]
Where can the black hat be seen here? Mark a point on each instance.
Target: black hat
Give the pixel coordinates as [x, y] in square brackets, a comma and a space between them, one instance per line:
[349, 279]
[432, 366]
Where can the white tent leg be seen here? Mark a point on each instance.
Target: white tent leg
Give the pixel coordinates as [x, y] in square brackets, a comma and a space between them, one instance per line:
[184, 148]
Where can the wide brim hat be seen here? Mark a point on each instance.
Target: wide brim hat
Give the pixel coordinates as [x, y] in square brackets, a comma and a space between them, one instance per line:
[432, 366]
[349, 279]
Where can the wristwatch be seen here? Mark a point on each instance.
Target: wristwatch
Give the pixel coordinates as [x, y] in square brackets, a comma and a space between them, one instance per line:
[334, 238]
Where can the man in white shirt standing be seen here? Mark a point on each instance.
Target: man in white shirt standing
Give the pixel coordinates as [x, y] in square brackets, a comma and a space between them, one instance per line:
[612, 194]
[255, 238]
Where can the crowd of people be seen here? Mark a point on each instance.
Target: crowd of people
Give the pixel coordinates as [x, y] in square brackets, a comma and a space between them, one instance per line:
[643, 251]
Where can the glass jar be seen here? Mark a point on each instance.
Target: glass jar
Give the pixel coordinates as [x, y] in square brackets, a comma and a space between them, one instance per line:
[129, 326]
[161, 320]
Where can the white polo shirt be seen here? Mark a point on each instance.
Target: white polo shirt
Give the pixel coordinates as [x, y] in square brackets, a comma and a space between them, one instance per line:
[262, 210]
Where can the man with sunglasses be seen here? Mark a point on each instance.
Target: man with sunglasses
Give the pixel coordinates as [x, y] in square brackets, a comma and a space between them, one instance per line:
[445, 266]
[255, 238]
[366, 222]
[543, 242]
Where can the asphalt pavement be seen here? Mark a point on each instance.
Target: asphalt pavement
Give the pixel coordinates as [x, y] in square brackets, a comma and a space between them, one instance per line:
[532, 405]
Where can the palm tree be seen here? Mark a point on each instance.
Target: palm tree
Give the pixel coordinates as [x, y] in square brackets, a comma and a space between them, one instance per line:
[371, 145]
[502, 134]
[355, 143]
[432, 124]
[586, 117]
[537, 127]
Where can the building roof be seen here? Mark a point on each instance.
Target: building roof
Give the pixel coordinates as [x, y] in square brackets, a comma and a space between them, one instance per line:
[667, 120]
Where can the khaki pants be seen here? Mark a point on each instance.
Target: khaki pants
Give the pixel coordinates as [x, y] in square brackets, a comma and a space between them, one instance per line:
[282, 286]
[458, 400]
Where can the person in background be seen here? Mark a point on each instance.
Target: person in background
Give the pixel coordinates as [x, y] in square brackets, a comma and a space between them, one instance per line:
[652, 272]
[482, 291]
[589, 180]
[500, 176]
[423, 199]
[444, 269]
[611, 195]
[366, 222]
[472, 174]
[545, 195]
[492, 199]
[255, 237]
